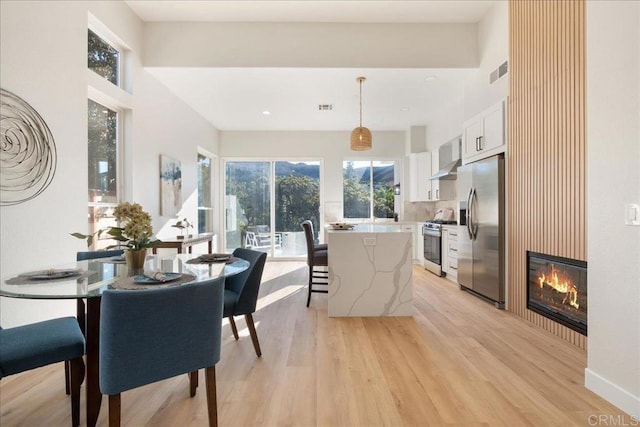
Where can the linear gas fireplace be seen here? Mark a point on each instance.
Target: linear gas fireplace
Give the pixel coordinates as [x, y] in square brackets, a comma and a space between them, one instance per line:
[557, 289]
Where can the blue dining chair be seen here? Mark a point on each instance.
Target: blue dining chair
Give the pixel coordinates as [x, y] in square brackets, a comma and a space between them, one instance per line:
[80, 306]
[39, 344]
[154, 334]
[241, 293]
[81, 256]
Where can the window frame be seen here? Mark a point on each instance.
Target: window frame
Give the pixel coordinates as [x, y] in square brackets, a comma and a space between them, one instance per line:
[119, 135]
[116, 98]
[203, 153]
[397, 165]
[272, 194]
[117, 48]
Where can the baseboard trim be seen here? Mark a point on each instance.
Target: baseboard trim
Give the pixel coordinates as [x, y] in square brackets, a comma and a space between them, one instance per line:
[612, 393]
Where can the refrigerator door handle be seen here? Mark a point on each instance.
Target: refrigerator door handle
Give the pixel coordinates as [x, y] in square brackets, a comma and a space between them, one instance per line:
[468, 214]
[474, 214]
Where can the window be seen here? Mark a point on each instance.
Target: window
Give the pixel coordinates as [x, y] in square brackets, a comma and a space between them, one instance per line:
[205, 207]
[103, 166]
[367, 189]
[265, 203]
[103, 58]
[104, 133]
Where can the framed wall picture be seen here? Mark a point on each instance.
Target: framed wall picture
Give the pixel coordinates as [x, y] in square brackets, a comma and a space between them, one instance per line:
[170, 186]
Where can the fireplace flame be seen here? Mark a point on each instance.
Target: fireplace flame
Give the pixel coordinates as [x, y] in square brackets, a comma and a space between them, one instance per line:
[563, 285]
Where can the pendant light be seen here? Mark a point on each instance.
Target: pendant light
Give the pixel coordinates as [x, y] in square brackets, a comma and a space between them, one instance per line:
[360, 136]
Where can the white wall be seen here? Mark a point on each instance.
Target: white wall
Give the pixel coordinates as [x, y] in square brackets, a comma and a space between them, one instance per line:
[613, 156]
[331, 147]
[43, 60]
[445, 125]
[493, 45]
[477, 94]
[304, 44]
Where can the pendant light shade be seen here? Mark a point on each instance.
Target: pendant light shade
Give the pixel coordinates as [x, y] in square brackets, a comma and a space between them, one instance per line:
[360, 136]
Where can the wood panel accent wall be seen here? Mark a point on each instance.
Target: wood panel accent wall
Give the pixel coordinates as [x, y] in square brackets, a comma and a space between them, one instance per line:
[546, 154]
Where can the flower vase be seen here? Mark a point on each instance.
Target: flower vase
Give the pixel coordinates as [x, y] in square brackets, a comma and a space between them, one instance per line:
[135, 260]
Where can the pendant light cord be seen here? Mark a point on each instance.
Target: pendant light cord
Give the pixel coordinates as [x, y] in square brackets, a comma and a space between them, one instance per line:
[360, 103]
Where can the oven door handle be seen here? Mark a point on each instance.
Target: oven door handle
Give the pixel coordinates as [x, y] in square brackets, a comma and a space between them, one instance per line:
[432, 233]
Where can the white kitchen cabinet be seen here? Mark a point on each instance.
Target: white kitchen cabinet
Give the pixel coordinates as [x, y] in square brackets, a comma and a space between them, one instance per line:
[485, 134]
[418, 247]
[440, 189]
[419, 174]
[414, 232]
[450, 252]
[435, 184]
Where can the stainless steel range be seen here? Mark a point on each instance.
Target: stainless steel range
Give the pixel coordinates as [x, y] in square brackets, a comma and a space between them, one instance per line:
[432, 235]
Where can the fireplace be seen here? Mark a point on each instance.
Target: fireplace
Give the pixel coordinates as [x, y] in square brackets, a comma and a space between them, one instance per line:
[557, 289]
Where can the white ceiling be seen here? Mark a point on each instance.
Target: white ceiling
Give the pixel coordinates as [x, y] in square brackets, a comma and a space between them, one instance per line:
[311, 10]
[234, 98]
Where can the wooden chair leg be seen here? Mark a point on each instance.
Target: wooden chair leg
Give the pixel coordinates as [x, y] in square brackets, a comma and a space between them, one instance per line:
[212, 401]
[76, 367]
[254, 335]
[67, 377]
[114, 410]
[233, 328]
[310, 282]
[81, 317]
[193, 383]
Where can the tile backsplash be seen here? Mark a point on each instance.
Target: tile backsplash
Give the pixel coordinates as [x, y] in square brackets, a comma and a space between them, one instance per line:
[413, 211]
[422, 211]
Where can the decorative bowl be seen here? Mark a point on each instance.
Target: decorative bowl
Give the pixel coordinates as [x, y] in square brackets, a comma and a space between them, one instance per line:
[341, 226]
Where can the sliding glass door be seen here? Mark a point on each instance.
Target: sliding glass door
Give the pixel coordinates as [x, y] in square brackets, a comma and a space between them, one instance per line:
[265, 202]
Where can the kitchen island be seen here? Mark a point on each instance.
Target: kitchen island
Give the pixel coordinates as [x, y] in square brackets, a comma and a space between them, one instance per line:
[370, 271]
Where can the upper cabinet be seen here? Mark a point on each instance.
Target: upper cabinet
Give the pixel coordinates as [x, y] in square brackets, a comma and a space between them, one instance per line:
[485, 134]
[422, 188]
[419, 174]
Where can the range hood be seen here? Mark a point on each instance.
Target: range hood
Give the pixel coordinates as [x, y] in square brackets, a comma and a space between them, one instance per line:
[448, 171]
[449, 159]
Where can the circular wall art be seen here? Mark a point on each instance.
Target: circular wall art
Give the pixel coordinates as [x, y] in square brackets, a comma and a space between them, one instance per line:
[27, 151]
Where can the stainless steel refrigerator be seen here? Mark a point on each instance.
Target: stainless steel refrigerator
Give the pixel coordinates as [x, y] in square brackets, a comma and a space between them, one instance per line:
[481, 240]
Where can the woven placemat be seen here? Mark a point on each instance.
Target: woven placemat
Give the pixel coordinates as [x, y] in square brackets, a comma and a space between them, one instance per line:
[25, 280]
[129, 284]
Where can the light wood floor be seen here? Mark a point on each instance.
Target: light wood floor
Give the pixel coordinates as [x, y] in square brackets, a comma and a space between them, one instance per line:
[457, 361]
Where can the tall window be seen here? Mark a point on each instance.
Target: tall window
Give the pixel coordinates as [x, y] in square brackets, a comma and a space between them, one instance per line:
[367, 189]
[103, 140]
[205, 207]
[103, 165]
[103, 58]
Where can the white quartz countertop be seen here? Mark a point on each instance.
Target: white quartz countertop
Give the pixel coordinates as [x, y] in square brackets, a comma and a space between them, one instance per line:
[370, 228]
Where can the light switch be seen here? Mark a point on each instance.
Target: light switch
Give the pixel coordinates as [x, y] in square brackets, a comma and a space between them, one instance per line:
[632, 214]
[369, 241]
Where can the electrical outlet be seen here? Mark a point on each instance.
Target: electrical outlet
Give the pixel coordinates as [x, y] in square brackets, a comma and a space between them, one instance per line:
[632, 214]
[369, 241]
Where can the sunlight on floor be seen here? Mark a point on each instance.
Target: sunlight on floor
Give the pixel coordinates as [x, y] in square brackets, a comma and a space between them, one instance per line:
[277, 295]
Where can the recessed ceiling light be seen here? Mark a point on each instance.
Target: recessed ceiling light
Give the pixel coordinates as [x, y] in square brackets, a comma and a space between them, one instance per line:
[266, 113]
[430, 78]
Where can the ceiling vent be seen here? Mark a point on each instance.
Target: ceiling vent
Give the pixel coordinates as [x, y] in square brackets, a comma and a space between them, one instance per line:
[499, 72]
[325, 107]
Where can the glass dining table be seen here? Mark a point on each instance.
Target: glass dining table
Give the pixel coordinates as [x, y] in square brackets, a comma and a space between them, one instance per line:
[90, 278]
